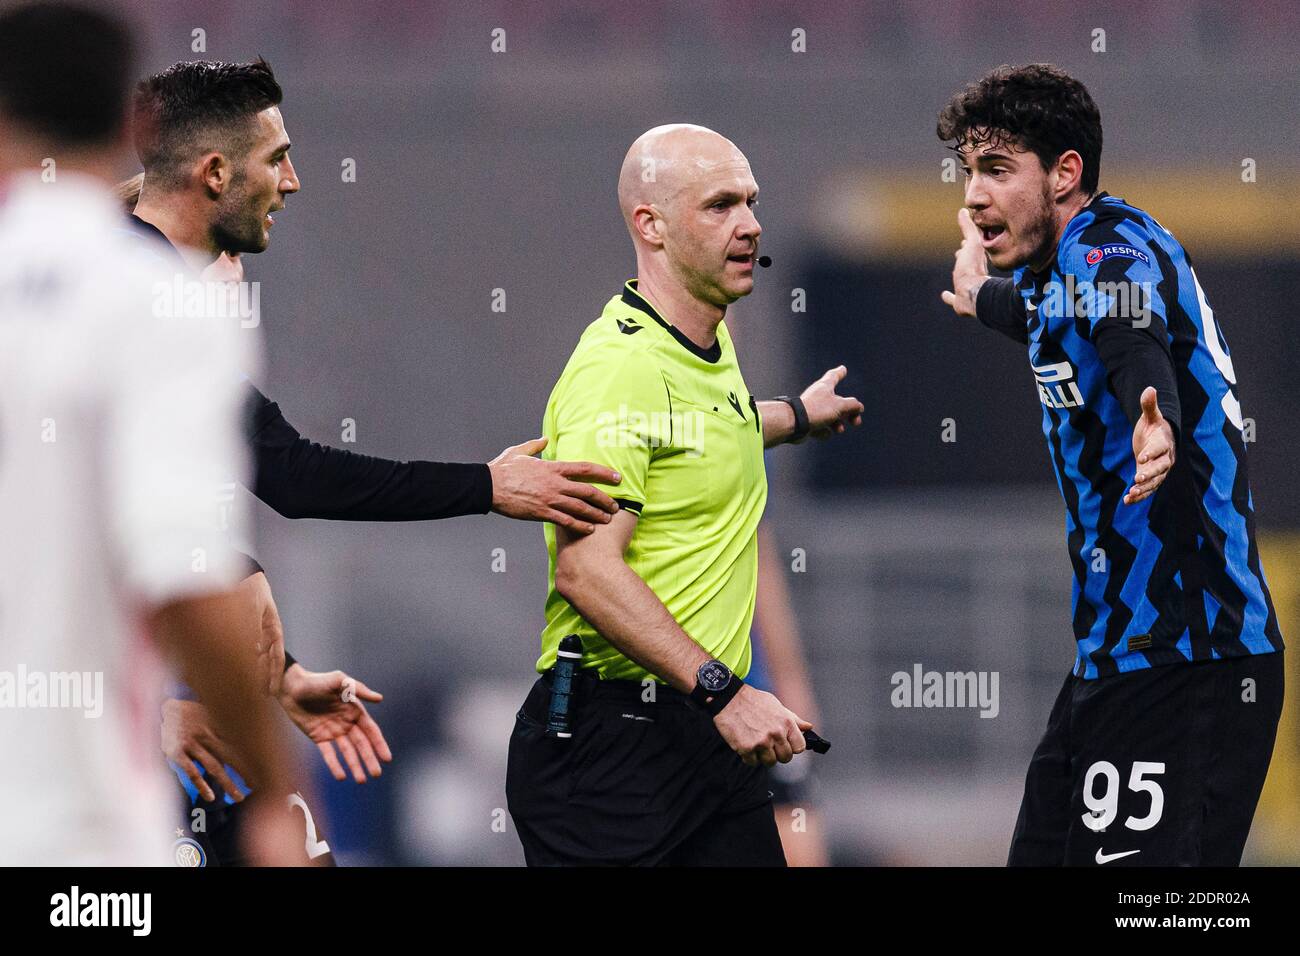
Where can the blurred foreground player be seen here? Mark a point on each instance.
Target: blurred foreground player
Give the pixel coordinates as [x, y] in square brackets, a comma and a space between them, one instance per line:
[1158, 745]
[328, 707]
[116, 427]
[669, 748]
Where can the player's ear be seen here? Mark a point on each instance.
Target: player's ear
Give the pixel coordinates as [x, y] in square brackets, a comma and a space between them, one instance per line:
[214, 173]
[1069, 173]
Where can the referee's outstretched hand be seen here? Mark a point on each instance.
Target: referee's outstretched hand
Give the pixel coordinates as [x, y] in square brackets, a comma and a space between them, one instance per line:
[1153, 447]
[530, 489]
[760, 728]
[829, 413]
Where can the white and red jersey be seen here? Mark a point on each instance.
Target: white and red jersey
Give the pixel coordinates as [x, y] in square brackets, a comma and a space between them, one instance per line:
[119, 422]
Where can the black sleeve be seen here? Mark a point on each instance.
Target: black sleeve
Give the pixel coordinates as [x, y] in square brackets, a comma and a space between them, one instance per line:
[303, 479]
[1134, 359]
[999, 306]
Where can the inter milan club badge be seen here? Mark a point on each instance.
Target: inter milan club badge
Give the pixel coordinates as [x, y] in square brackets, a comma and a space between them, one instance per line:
[188, 852]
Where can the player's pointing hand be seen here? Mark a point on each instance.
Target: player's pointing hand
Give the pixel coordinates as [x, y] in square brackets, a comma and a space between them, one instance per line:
[970, 270]
[829, 413]
[534, 490]
[1153, 447]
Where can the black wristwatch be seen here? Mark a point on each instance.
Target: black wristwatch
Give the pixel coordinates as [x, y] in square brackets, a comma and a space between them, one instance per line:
[715, 685]
[801, 426]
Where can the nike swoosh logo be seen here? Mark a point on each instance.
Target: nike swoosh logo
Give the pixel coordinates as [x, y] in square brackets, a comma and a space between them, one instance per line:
[1107, 857]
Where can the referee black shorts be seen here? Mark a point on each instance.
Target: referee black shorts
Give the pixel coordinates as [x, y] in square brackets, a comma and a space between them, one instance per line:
[1156, 767]
[640, 783]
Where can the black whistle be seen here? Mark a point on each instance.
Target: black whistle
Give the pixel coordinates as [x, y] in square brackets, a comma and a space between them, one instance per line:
[818, 745]
[559, 713]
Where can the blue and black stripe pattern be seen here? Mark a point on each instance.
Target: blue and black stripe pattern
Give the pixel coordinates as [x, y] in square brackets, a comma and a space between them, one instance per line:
[1176, 577]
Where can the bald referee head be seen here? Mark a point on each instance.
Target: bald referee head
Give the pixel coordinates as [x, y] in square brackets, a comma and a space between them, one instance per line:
[687, 195]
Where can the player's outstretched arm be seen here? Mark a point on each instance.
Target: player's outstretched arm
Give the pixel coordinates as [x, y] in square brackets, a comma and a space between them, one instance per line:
[531, 489]
[828, 413]
[300, 478]
[328, 708]
[256, 589]
[1153, 447]
[592, 575]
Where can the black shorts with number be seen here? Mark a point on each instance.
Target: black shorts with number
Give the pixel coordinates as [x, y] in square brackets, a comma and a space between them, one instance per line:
[1156, 767]
[640, 783]
[211, 834]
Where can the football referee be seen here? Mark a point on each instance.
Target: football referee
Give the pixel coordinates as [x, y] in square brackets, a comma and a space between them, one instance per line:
[666, 762]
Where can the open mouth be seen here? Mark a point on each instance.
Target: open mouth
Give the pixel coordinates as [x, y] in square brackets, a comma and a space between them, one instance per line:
[991, 232]
[746, 259]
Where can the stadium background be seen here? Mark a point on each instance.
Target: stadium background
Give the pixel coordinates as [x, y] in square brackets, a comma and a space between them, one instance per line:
[478, 171]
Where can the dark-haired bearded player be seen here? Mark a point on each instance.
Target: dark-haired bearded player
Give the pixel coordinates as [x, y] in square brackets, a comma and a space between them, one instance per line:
[212, 141]
[1158, 745]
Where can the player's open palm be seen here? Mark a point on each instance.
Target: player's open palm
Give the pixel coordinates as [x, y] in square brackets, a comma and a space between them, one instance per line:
[328, 708]
[1153, 447]
[535, 490]
[829, 413]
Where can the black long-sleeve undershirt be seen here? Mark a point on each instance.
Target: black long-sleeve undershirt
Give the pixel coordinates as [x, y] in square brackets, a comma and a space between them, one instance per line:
[303, 479]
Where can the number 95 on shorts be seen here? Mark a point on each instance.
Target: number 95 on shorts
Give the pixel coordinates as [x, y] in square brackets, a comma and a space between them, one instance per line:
[1155, 767]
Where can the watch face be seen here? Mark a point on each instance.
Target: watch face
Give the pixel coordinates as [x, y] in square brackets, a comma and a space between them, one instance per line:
[713, 676]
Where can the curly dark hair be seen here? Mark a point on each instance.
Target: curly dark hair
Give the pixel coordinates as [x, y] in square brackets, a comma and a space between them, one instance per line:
[1038, 107]
[193, 107]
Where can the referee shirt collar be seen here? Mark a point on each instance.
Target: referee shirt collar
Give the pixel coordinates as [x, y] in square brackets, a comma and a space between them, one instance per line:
[636, 300]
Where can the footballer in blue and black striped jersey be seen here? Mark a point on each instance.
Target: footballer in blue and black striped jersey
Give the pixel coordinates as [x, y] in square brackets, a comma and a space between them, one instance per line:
[1168, 717]
[1174, 577]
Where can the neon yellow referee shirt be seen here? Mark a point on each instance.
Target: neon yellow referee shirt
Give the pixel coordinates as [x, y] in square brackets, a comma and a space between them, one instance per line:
[677, 422]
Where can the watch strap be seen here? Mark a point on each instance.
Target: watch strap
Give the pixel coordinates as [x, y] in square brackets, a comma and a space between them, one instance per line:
[801, 424]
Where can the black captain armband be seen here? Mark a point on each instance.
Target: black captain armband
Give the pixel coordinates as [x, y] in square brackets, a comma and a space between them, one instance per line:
[801, 425]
